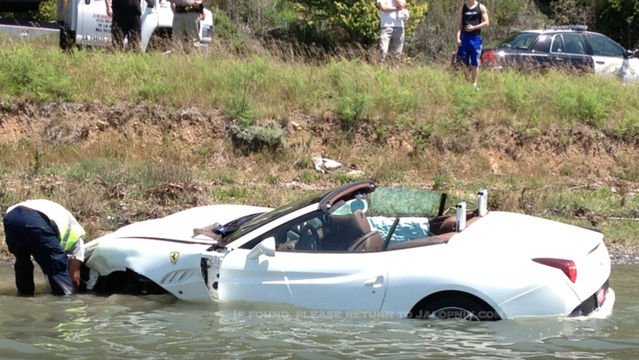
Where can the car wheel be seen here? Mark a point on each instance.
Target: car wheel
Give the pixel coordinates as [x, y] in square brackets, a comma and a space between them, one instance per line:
[462, 307]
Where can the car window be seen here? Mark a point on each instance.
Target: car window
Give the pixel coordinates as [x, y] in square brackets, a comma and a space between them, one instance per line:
[558, 44]
[574, 43]
[604, 46]
[520, 41]
[542, 44]
[318, 231]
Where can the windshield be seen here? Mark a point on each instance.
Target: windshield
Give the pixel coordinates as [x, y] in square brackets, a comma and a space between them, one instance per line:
[399, 201]
[520, 41]
[264, 218]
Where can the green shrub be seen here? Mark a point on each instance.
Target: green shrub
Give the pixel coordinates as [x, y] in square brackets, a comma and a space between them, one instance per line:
[252, 138]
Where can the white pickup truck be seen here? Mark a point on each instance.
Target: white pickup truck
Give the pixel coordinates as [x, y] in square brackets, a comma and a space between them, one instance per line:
[85, 22]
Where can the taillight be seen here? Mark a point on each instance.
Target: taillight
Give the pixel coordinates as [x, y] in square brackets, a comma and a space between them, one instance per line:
[567, 266]
[488, 57]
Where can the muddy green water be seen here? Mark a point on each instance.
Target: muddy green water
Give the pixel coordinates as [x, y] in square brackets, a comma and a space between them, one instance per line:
[158, 327]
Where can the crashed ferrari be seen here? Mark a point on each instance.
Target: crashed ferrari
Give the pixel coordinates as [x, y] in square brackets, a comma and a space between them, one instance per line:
[359, 247]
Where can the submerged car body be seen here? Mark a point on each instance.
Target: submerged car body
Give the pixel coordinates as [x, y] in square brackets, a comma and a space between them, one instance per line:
[362, 248]
[564, 47]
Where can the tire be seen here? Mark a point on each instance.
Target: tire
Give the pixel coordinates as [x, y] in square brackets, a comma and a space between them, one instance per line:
[465, 307]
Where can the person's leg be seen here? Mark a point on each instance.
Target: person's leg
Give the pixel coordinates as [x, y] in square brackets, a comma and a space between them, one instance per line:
[23, 267]
[384, 40]
[178, 30]
[475, 58]
[397, 42]
[191, 24]
[19, 240]
[117, 32]
[48, 253]
[132, 28]
[465, 57]
[135, 33]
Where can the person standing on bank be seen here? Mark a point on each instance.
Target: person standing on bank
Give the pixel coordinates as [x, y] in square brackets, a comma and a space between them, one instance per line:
[186, 22]
[126, 22]
[392, 14]
[48, 232]
[473, 16]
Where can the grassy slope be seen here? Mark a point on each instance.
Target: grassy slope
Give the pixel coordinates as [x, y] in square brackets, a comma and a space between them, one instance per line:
[123, 137]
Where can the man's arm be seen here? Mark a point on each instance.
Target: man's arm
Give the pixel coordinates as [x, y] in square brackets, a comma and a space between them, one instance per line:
[458, 26]
[75, 263]
[396, 6]
[484, 19]
[108, 8]
[74, 271]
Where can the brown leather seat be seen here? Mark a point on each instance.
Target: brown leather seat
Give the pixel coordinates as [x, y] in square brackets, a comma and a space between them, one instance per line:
[343, 230]
[369, 242]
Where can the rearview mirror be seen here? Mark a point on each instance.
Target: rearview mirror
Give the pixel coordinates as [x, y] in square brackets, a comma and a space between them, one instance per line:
[266, 247]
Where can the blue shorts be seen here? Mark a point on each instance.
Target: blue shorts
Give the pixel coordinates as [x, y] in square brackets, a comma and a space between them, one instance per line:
[469, 52]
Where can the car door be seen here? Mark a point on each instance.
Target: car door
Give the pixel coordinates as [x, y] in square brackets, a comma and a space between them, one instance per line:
[305, 273]
[94, 26]
[610, 58]
[569, 51]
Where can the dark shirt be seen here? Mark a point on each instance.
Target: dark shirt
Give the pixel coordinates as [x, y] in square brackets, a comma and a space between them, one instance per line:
[471, 17]
[127, 5]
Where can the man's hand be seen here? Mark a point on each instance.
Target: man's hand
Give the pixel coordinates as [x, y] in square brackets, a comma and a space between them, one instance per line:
[399, 4]
[74, 271]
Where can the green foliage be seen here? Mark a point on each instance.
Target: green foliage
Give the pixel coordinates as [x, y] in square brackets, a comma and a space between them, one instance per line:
[28, 72]
[590, 105]
[350, 21]
[250, 138]
[351, 107]
[619, 19]
[628, 125]
[48, 10]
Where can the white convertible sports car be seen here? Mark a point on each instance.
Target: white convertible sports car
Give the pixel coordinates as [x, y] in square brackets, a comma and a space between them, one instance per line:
[359, 247]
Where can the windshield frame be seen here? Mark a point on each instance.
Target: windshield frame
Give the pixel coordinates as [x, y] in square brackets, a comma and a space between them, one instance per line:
[325, 201]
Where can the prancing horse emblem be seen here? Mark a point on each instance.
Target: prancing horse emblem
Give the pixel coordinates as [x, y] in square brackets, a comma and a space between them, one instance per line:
[174, 256]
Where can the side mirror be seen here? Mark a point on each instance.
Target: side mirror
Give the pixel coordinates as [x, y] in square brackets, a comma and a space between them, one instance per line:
[266, 247]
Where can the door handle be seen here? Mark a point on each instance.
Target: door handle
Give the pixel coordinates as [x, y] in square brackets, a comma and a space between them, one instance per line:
[600, 62]
[375, 282]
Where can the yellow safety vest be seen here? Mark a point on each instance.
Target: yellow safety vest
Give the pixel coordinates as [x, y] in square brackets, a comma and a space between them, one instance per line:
[69, 228]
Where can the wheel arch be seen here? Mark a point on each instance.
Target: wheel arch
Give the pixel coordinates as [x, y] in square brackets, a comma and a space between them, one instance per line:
[444, 295]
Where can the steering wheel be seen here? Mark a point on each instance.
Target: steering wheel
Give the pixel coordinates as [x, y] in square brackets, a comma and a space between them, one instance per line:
[308, 238]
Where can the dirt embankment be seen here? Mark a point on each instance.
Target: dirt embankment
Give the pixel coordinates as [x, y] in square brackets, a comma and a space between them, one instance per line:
[577, 155]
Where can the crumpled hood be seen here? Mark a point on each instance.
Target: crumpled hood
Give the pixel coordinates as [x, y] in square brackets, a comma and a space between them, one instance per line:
[179, 226]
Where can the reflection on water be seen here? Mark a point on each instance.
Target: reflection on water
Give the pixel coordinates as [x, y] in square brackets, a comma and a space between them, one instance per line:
[158, 327]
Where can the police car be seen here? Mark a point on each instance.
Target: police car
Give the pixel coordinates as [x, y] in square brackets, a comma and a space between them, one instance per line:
[568, 47]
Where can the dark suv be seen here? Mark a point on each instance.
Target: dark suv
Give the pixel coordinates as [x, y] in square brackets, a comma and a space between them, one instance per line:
[570, 47]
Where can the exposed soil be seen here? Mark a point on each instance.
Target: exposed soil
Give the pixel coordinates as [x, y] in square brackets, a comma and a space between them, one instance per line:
[578, 155]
